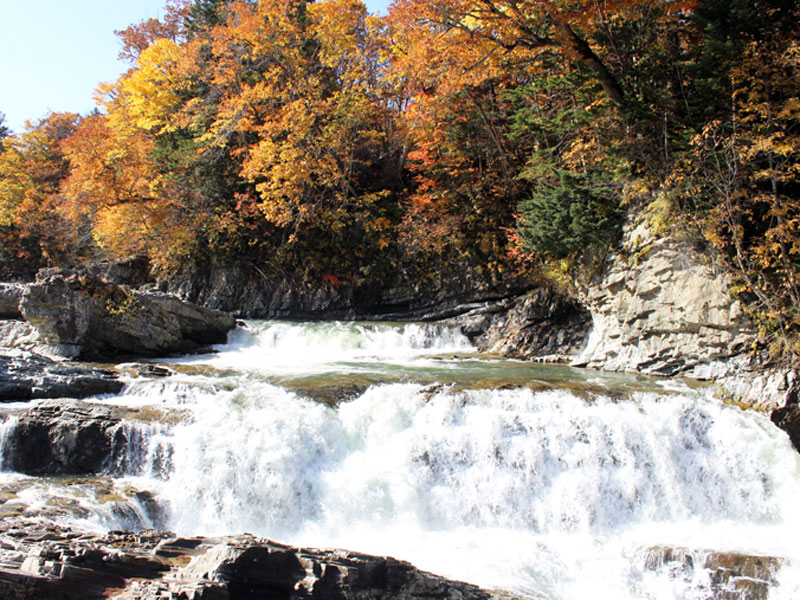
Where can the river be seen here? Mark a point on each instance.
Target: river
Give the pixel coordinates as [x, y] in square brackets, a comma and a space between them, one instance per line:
[399, 439]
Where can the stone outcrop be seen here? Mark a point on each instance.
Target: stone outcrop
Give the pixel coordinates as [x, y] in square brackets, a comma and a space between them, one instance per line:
[246, 291]
[788, 418]
[83, 316]
[47, 562]
[26, 376]
[541, 325]
[65, 436]
[658, 308]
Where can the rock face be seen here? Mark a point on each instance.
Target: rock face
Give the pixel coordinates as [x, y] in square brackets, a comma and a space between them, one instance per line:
[246, 291]
[48, 563]
[66, 436]
[28, 376]
[658, 308]
[541, 325]
[83, 316]
[10, 296]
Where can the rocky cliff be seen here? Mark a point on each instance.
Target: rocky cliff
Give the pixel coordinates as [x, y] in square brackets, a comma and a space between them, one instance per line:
[659, 308]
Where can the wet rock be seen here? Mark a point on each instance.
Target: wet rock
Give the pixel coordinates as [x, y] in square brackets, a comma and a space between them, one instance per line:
[49, 562]
[760, 389]
[740, 576]
[542, 324]
[83, 316]
[728, 575]
[67, 436]
[27, 376]
[788, 419]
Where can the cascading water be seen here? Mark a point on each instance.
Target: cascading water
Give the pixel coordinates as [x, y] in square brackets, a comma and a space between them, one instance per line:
[541, 480]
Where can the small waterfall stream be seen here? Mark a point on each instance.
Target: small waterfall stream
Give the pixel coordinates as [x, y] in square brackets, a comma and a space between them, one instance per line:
[545, 481]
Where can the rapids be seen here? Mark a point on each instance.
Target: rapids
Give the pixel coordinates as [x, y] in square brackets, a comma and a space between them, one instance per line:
[398, 439]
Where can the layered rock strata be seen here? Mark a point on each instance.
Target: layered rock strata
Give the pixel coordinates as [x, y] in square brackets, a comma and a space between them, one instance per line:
[26, 376]
[248, 292]
[542, 325]
[49, 562]
[658, 308]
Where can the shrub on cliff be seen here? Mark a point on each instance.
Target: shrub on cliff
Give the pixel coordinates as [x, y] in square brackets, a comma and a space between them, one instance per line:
[573, 215]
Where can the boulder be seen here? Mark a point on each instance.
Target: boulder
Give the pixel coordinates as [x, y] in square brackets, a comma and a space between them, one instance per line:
[57, 437]
[83, 316]
[27, 376]
[542, 325]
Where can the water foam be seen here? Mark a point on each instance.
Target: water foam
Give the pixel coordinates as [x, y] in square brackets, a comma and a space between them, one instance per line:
[459, 481]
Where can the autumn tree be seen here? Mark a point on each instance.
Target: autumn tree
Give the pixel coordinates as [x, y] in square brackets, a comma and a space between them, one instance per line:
[288, 94]
[747, 171]
[139, 36]
[32, 167]
[4, 130]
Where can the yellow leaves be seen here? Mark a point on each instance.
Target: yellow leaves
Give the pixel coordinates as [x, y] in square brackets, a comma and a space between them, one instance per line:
[339, 27]
[145, 97]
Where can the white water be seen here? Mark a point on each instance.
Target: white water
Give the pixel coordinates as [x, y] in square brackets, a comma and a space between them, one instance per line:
[553, 493]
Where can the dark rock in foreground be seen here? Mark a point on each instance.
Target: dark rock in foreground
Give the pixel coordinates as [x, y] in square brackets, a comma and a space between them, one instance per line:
[49, 562]
[83, 316]
[28, 376]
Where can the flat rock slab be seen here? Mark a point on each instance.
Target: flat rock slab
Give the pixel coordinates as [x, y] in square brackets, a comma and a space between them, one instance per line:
[48, 561]
[28, 376]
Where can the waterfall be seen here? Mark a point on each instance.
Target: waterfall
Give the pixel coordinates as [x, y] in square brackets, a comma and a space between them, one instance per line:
[540, 480]
[6, 426]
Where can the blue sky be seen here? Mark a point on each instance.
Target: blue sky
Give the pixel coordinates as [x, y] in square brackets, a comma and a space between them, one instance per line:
[53, 53]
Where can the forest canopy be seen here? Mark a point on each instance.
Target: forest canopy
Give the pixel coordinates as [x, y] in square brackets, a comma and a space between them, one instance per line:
[316, 140]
